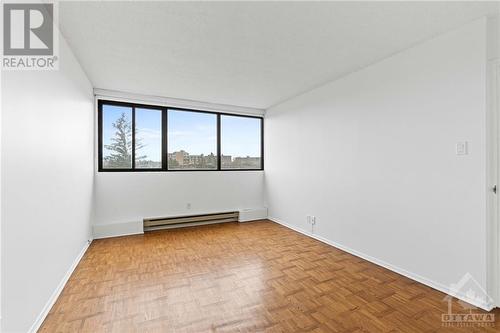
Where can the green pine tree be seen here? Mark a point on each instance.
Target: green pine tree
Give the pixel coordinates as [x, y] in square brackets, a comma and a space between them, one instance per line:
[121, 145]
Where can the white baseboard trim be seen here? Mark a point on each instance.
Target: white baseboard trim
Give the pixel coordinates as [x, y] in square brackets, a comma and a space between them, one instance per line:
[488, 306]
[53, 298]
[117, 229]
[253, 214]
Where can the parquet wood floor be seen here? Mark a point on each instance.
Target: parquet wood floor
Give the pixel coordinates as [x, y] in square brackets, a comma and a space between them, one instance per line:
[240, 277]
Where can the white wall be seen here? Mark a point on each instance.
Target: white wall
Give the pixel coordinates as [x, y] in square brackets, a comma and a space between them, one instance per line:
[127, 197]
[372, 156]
[47, 181]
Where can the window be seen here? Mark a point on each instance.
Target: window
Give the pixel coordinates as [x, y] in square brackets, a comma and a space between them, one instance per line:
[130, 137]
[241, 142]
[134, 137]
[192, 140]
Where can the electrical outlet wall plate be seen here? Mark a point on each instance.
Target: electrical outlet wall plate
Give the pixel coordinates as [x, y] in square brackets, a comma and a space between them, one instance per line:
[311, 219]
[462, 148]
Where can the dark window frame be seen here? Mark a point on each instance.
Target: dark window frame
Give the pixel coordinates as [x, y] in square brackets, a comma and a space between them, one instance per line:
[164, 138]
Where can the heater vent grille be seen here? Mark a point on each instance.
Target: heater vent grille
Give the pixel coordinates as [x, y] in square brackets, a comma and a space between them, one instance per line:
[180, 221]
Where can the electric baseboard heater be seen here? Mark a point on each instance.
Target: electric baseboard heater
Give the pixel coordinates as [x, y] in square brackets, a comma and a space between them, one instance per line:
[157, 223]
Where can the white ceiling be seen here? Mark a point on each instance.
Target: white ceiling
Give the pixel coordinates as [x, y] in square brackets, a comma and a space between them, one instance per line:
[252, 54]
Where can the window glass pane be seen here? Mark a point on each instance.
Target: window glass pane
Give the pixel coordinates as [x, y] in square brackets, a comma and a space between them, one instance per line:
[147, 138]
[240, 142]
[116, 137]
[192, 140]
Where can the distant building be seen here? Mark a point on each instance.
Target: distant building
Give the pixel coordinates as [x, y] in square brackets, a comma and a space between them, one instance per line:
[246, 162]
[181, 157]
[183, 160]
[226, 160]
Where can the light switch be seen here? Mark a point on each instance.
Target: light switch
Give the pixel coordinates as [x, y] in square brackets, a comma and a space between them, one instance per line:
[462, 148]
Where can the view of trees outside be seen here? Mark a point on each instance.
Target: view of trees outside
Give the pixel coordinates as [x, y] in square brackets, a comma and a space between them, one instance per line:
[117, 137]
[192, 139]
[240, 142]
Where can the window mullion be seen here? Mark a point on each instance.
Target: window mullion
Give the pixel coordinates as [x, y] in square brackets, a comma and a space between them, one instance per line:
[133, 138]
[262, 143]
[164, 144]
[218, 143]
[99, 138]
